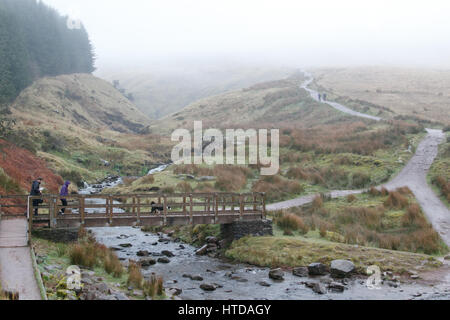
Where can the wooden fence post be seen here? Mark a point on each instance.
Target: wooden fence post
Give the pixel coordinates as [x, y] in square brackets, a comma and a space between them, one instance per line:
[81, 204]
[216, 208]
[30, 219]
[111, 209]
[138, 210]
[209, 206]
[184, 205]
[241, 207]
[264, 206]
[165, 210]
[52, 211]
[224, 200]
[191, 209]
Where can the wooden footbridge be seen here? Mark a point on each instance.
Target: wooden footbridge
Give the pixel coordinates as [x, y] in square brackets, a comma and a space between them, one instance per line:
[137, 209]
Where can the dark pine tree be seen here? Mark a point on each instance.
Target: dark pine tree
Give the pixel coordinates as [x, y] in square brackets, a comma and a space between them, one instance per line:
[36, 42]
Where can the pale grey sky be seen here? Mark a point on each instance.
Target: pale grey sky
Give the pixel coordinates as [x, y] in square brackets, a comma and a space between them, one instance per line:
[297, 32]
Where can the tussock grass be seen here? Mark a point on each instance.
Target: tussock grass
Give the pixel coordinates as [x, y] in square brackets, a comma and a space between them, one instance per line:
[135, 277]
[443, 185]
[393, 221]
[396, 200]
[276, 187]
[88, 253]
[290, 222]
[184, 187]
[154, 286]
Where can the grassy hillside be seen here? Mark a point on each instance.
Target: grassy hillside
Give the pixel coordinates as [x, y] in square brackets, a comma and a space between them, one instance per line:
[320, 148]
[161, 92]
[84, 128]
[81, 100]
[414, 93]
[274, 103]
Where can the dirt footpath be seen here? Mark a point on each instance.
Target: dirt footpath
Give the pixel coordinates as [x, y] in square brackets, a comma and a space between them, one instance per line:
[414, 175]
[16, 267]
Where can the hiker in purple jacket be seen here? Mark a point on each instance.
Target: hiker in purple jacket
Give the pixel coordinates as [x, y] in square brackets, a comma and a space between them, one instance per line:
[64, 193]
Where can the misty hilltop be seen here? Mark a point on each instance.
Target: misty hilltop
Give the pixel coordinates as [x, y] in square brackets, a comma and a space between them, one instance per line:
[161, 91]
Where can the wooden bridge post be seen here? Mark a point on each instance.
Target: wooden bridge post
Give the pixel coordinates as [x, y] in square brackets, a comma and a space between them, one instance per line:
[191, 209]
[111, 209]
[138, 211]
[184, 205]
[134, 205]
[216, 208]
[241, 206]
[52, 206]
[30, 218]
[82, 209]
[263, 205]
[254, 202]
[224, 200]
[232, 204]
[165, 210]
[209, 206]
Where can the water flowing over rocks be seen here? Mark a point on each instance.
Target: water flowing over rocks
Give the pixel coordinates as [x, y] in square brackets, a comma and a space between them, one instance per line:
[199, 277]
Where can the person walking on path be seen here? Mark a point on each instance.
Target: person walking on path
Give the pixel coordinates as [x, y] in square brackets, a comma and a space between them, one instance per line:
[320, 97]
[64, 193]
[36, 192]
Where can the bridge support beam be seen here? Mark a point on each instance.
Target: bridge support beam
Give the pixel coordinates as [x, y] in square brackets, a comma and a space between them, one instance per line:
[66, 235]
[239, 229]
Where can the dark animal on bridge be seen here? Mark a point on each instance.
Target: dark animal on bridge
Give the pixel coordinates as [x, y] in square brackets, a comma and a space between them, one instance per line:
[156, 208]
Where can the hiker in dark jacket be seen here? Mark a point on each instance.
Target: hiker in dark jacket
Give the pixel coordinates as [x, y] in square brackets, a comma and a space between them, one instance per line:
[36, 191]
[64, 193]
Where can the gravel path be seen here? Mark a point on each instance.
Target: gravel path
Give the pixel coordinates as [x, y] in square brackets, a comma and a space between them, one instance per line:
[16, 267]
[413, 176]
[338, 106]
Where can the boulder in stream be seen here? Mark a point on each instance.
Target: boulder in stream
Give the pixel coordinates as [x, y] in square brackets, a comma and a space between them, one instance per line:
[300, 271]
[341, 268]
[276, 274]
[167, 253]
[147, 262]
[142, 253]
[317, 269]
[163, 260]
[202, 251]
[207, 287]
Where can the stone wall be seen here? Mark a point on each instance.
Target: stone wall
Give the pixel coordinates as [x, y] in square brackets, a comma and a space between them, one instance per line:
[56, 235]
[240, 229]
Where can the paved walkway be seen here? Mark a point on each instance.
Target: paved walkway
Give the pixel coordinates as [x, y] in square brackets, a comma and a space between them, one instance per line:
[16, 267]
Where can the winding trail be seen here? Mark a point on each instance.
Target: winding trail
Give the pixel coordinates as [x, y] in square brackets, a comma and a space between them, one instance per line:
[16, 266]
[413, 175]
